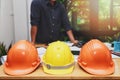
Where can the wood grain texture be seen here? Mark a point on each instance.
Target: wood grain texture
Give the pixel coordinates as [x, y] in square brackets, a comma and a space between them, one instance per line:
[78, 73]
[41, 45]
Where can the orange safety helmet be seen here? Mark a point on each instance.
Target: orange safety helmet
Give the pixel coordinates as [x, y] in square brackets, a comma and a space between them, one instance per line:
[22, 59]
[95, 58]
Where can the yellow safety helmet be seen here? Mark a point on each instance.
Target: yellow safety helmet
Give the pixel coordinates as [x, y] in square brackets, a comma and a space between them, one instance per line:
[58, 59]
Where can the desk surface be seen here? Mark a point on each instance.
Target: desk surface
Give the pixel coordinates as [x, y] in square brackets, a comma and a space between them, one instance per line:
[77, 73]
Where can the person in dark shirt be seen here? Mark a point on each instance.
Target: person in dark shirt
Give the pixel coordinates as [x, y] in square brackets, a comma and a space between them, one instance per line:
[47, 19]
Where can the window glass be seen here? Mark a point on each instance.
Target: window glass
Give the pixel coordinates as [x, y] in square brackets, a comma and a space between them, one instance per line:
[94, 19]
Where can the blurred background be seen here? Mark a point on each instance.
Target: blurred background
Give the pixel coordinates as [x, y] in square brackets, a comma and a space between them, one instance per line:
[89, 19]
[94, 19]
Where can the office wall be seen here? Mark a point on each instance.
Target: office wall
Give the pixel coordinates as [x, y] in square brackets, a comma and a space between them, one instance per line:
[14, 20]
[6, 22]
[20, 20]
[28, 15]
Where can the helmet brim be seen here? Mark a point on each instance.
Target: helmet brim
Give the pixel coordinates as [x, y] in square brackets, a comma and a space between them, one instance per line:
[105, 71]
[58, 71]
[13, 72]
[63, 71]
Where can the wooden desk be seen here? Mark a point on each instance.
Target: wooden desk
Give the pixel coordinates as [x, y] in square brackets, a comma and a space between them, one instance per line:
[77, 73]
[41, 45]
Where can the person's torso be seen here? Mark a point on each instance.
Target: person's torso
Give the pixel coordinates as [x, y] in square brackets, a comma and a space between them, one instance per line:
[50, 22]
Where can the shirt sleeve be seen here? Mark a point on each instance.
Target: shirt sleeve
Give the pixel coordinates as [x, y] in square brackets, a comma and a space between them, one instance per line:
[35, 13]
[65, 19]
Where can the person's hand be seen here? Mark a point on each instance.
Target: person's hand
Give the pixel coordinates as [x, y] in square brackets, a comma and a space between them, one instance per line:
[75, 41]
[79, 44]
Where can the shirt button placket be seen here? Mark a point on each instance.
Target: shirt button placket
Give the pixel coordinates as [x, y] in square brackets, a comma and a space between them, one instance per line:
[52, 31]
[53, 24]
[53, 17]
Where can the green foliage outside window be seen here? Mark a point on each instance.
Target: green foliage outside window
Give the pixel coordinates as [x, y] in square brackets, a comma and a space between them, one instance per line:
[79, 12]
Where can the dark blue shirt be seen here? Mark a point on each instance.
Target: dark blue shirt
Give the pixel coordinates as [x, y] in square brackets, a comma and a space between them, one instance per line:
[49, 20]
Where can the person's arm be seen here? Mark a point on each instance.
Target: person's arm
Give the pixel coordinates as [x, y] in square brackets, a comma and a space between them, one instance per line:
[71, 37]
[33, 33]
[35, 19]
[66, 25]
